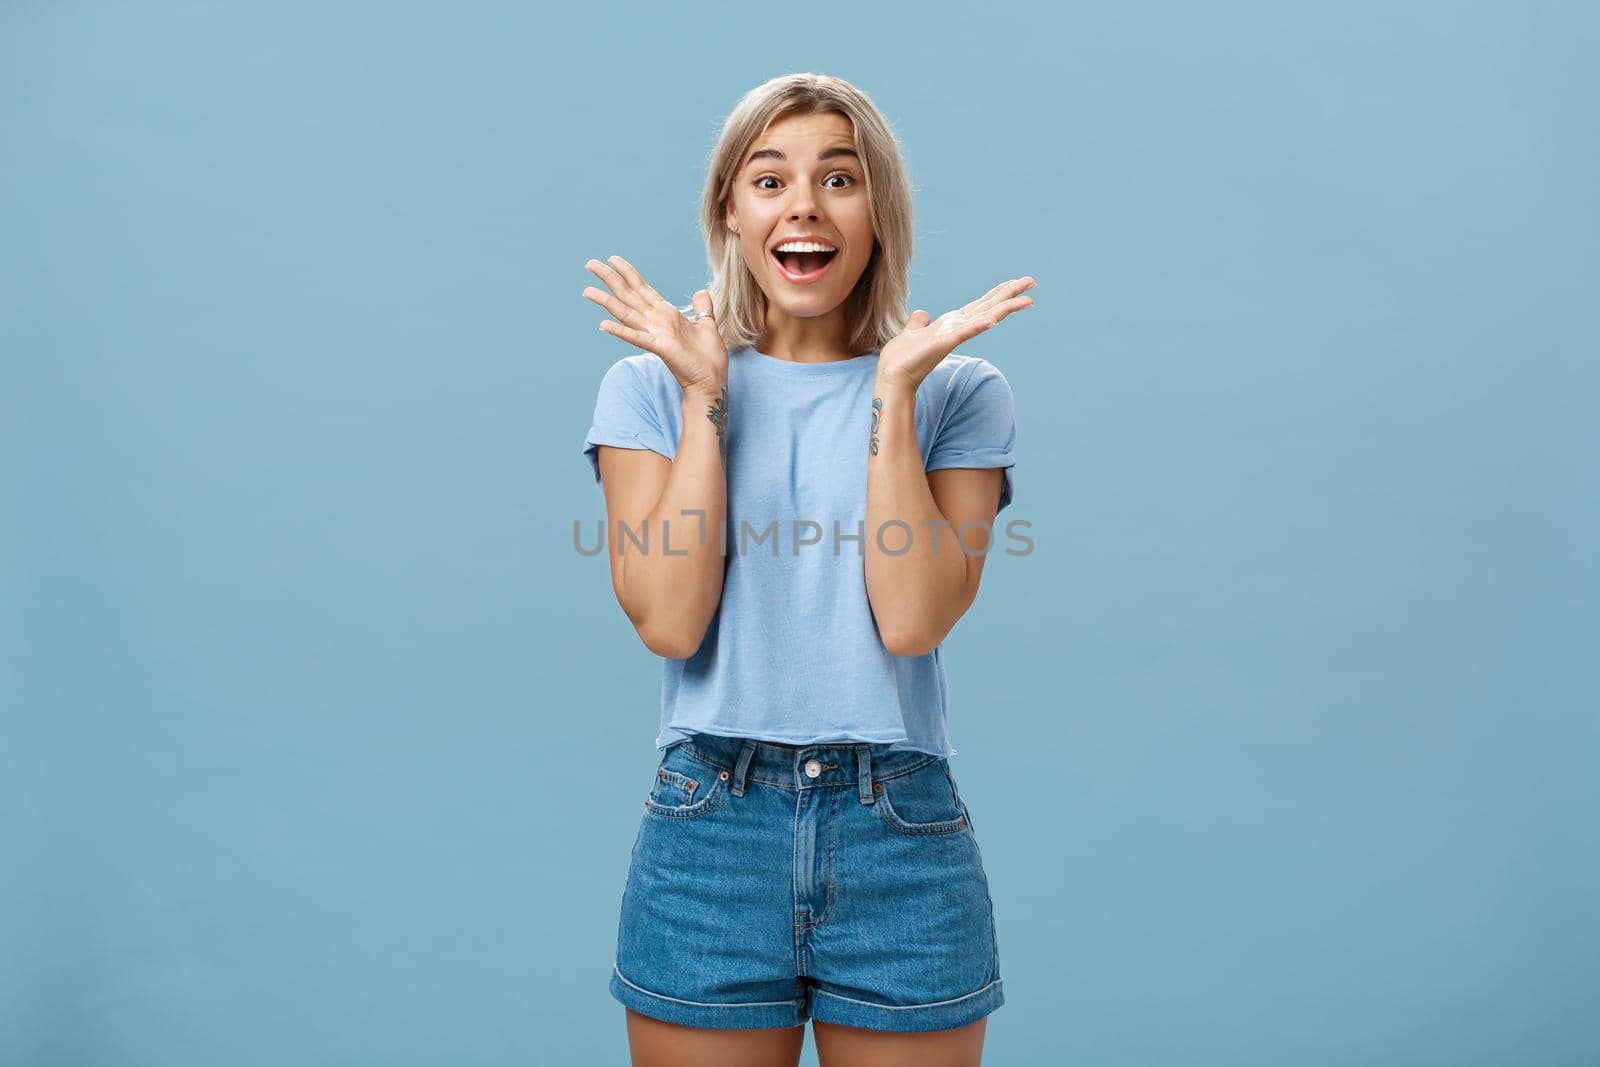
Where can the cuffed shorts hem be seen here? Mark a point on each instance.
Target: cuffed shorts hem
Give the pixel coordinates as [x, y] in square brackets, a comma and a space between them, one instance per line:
[941, 1015]
[760, 1015]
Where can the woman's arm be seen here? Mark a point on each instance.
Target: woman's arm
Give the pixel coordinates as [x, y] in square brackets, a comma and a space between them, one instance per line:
[665, 518]
[918, 595]
[667, 566]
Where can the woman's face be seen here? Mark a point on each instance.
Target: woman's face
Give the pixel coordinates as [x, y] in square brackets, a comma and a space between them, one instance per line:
[803, 178]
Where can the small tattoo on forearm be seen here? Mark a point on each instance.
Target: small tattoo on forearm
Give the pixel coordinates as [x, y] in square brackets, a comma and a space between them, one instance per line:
[718, 414]
[877, 406]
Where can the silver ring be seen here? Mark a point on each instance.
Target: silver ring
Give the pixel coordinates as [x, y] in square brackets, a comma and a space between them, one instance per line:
[696, 315]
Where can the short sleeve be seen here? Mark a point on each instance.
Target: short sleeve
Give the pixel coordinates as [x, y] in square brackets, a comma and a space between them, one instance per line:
[624, 415]
[979, 428]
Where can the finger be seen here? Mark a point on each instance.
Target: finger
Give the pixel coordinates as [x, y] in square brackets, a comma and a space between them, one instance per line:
[637, 338]
[986, 297]
[1016, 303]
[997, 314]
[1000, 292]
[638, 283]
[620, 311]
[617, 283]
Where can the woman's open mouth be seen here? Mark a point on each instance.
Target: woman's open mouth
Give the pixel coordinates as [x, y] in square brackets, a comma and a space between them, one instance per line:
[803, 268]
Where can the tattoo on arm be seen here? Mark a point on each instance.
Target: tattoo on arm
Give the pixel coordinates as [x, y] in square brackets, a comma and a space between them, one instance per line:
[718, 414]
[877, 406]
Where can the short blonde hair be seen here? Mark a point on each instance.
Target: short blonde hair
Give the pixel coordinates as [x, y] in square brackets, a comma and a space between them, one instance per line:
[875, 311]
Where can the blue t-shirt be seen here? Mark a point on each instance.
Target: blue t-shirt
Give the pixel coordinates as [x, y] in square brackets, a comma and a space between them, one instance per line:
[793, 652]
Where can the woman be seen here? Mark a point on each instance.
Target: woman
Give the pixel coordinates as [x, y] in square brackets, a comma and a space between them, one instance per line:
[804, 851]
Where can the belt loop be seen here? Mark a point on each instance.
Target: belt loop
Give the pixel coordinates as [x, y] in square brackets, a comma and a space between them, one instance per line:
[743, 765]
[864, 773]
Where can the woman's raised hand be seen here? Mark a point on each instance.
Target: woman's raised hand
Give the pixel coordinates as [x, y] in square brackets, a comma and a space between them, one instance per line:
[693, 351]
[918, 348]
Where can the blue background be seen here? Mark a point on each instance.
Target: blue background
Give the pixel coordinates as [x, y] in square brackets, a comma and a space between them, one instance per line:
[321, 743]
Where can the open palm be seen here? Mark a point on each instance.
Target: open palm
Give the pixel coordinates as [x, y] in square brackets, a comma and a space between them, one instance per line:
[924, 341]
[692, 349]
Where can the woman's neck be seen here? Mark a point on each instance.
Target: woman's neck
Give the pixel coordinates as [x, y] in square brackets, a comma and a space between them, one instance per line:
[813, 340]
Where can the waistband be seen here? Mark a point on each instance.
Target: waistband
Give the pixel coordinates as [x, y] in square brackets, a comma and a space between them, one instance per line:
[828, 764]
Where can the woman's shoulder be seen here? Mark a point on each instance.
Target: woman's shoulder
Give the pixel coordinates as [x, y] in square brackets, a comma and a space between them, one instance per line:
[643, 373]
[960, 373]
[646, 366]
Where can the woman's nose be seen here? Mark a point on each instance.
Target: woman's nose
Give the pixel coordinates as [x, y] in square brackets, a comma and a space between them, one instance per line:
[803, 207]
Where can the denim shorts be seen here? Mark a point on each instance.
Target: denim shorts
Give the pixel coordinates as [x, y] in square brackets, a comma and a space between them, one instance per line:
[772, 883]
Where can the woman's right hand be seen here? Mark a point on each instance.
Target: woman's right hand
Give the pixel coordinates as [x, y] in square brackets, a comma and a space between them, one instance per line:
[693, 351]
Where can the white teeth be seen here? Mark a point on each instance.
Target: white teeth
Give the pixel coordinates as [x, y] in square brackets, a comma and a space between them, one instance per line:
[804, 246]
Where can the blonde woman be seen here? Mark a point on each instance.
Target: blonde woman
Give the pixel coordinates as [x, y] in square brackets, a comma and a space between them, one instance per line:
[786, 468]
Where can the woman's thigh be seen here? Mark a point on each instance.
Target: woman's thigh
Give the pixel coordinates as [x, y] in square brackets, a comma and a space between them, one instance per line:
[851, 1046]
[654, 1043]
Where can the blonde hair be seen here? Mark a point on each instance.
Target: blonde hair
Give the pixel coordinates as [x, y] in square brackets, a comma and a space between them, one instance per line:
[875, 310]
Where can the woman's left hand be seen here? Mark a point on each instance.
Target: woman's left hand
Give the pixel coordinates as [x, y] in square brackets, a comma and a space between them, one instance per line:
[917, 349]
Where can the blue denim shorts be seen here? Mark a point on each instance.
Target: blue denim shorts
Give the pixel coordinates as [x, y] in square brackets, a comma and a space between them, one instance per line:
[772, 883]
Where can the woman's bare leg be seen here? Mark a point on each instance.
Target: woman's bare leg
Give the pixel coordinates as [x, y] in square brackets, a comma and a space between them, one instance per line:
[654, 1043]
[850, 1046]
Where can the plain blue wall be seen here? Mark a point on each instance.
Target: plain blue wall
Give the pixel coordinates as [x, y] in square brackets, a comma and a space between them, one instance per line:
[322, 745]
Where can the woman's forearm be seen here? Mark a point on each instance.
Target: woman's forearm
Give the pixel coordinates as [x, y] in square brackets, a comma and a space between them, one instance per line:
[673, 583]
[916, 595]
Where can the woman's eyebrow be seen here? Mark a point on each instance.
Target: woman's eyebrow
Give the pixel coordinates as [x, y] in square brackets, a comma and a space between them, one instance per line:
[826, 153]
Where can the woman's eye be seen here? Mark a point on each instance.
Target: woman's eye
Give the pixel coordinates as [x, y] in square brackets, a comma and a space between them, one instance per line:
[770, 178]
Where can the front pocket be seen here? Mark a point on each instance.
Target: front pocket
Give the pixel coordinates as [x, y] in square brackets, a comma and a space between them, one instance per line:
[684, 787]
[922, 801]
[672, 789]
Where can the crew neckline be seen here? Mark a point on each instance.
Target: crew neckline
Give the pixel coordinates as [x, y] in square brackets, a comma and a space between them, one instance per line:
[832, 366]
